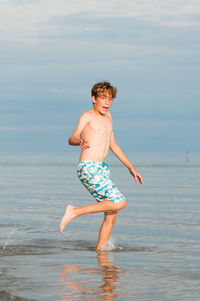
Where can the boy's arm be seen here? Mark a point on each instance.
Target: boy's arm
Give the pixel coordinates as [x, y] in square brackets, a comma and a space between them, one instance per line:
[75, 139]
[122, 157]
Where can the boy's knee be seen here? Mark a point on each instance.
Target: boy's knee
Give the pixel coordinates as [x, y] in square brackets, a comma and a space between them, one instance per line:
[121, 205]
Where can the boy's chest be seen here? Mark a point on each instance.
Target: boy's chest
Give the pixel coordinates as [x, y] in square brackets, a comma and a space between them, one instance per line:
[101, 125]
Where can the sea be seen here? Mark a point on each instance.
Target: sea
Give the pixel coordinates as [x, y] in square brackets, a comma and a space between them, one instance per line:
[154, 250]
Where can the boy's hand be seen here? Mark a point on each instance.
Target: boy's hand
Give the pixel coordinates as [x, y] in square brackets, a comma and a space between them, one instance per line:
[136, 175]
[84, 144]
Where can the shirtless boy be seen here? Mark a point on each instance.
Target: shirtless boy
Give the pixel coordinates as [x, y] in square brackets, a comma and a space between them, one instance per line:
[94, 134]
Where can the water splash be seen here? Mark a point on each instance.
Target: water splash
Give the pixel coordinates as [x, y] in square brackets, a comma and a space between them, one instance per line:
[9, 236]
[111, 246]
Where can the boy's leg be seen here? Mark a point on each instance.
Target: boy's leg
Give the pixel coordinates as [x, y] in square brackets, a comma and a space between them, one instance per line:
[71, 212]
[106, 229]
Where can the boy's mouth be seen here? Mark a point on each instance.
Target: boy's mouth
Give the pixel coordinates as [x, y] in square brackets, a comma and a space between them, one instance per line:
[105, 108]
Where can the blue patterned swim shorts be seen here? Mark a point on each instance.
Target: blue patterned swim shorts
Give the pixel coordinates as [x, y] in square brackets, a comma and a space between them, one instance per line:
[95, 176]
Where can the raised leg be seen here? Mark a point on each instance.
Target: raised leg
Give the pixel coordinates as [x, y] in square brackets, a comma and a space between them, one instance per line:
[106, 229]
[71, 212]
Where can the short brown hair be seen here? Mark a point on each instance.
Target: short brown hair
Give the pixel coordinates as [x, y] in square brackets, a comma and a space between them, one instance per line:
[103, 88]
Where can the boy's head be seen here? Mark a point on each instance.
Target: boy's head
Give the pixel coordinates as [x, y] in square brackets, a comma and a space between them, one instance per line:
[104, 89]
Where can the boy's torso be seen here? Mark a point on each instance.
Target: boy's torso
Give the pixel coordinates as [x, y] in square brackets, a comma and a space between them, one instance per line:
[97, 132]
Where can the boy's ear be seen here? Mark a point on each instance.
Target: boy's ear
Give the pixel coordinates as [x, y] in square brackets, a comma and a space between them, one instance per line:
[93, 99]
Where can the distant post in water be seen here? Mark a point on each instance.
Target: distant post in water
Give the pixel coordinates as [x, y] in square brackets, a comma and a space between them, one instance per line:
[187, 157]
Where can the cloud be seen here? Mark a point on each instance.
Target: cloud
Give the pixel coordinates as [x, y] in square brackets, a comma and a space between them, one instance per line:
[27, 19]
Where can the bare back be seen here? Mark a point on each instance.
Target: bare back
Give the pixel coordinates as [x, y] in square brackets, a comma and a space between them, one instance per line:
[97, 131]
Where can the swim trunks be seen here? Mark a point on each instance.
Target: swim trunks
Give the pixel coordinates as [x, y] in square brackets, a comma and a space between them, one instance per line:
[95, 176]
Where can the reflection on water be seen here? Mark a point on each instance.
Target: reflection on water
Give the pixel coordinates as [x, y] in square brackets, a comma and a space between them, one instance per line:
[74, 278]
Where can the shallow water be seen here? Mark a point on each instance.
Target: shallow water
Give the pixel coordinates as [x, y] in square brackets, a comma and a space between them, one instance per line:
[154, 251]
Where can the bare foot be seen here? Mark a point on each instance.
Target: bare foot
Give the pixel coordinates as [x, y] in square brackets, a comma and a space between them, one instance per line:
[67, 218]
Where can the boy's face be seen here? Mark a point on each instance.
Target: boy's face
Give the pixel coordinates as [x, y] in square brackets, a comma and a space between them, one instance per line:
[102, 103]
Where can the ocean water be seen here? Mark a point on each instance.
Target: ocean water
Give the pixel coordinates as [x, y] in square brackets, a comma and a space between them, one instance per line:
[154, 250]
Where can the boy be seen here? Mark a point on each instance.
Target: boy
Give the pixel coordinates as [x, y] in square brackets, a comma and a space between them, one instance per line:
[94, 134]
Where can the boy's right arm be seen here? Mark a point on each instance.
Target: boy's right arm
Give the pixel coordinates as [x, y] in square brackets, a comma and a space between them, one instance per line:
[75, 137]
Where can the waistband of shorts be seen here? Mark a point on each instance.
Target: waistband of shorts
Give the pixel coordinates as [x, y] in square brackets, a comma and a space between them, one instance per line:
[92, 162]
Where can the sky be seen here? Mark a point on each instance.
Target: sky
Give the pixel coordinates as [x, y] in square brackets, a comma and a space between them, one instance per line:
[54, 51]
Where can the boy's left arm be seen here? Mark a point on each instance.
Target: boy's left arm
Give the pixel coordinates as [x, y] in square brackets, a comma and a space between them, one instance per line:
[122, 157]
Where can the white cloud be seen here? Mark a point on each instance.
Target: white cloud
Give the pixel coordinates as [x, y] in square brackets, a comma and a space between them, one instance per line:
[25, 19]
